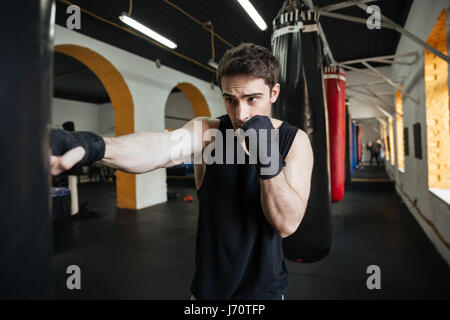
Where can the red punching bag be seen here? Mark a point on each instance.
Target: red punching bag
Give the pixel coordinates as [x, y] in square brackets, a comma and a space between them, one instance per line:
[335, 91]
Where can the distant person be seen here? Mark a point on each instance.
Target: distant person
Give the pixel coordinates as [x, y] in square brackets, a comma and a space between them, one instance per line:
[374, 149]
[379, 147]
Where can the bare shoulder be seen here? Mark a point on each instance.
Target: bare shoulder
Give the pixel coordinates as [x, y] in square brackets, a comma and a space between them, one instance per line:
[208, 123]
[205, 122]
[276, 123]
[299, 164]
[301, 147]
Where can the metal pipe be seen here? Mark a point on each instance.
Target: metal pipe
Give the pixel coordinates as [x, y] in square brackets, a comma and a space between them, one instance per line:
[408, 34]
[345, 17]
[341, 5]
[413, 53]
[392, 83]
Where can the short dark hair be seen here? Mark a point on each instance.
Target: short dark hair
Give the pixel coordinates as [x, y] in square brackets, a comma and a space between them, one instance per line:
[250, 59]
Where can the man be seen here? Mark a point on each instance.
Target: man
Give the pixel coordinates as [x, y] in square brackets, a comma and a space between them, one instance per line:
[245, 209]
[378, 149]
[370, 148]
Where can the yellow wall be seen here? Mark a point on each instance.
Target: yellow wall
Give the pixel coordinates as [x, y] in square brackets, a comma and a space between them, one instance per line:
[383, 135]
[196, 98]
[122, 102]
[437, 108]
[399, 129]
[391, 141]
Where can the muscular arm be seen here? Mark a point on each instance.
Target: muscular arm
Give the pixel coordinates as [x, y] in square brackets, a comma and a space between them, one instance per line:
[146, 151]
[284, 197]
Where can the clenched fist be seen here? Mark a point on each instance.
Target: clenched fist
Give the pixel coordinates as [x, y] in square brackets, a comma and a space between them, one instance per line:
[74, 148]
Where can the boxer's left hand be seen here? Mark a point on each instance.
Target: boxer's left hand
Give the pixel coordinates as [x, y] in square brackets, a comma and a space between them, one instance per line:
[269, 161]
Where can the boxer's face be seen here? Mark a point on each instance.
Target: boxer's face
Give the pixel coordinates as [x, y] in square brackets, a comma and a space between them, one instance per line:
[245, 97]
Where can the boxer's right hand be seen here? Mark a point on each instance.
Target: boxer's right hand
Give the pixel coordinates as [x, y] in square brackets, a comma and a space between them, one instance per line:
[59, 164]
[74, 148]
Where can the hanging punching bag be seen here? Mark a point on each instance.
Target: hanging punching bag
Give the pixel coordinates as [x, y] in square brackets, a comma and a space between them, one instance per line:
[359, 143]
[354, 148]
[347, 146]
[26, 96]
[296, 45]
[335, 92]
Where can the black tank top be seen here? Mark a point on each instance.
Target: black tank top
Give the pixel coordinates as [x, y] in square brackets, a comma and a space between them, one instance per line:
[239, 255]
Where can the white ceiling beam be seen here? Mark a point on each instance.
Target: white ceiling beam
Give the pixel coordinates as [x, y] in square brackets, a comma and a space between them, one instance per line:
[392, 83]
[377, 97]
[387, 114]
[408, 34]
[345, 17]
[341, 5]
[371, 83]
[360, 92]
[360, 70]
[382, 120]
[392, 62]
[385, 93]
[392, 56]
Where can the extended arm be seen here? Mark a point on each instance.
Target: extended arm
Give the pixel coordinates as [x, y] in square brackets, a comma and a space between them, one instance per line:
[146, 151]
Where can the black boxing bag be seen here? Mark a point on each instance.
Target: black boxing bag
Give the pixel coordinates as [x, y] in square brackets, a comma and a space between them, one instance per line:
[296, 45]
[348, 129]
[26, 96]
[354, 149]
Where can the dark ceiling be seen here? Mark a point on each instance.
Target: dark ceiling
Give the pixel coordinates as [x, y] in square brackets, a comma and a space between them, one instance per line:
[347, 40]
[74, 81]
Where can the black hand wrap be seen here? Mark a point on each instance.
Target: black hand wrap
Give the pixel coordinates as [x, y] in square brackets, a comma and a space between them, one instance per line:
[62, 141]
[265, 159]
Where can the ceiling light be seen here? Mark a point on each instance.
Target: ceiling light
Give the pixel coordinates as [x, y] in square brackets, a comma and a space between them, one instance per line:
[251, 11]
[125, 18]
[213, 64]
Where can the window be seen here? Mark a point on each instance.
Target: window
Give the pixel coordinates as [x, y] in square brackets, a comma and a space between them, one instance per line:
[399, 129]
[437, 108]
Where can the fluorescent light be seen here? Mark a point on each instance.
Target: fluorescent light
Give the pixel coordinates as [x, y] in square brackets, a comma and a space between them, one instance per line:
[147, 31]
[213, 64]
[251, 11]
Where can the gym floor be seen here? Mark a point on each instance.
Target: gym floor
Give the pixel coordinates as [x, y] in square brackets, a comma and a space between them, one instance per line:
[150, 254]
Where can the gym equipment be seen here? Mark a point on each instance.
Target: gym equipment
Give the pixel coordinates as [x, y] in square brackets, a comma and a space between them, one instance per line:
[354, 149]
[348, 131]
[296, 45]
[335, 91]
[26, 95]
[359, 129]
[61, 203]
